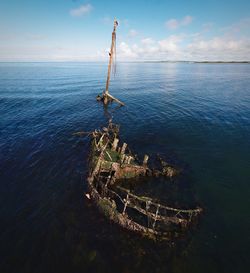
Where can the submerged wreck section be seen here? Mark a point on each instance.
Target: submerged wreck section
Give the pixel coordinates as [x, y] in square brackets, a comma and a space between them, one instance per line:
[112, 162]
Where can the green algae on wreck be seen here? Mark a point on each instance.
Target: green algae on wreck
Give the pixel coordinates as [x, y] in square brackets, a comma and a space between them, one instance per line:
[111, 163]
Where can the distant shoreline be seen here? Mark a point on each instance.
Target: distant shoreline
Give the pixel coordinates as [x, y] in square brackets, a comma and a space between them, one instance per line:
[188, 62]
[202, 62]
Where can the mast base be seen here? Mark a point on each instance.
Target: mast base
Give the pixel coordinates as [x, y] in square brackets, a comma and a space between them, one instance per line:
[106, 98]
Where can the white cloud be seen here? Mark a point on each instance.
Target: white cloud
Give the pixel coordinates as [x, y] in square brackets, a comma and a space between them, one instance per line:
[151, 49]
[132, 33]
[232, 44]
[81, 11]
[220, 48]
[174, 23]
[170, 44]
[147, 41]
[186, 47]
[237, 31]
[126, 51]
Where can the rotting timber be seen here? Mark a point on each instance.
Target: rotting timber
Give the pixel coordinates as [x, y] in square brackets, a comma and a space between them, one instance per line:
[106, 98]
[111, 163]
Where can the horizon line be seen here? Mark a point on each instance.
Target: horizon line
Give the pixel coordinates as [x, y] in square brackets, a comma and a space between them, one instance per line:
[135, 61]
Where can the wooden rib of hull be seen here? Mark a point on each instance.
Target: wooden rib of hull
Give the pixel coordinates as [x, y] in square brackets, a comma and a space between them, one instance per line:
[114, 200]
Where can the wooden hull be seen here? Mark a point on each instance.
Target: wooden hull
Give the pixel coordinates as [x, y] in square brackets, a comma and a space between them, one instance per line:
[110, 164]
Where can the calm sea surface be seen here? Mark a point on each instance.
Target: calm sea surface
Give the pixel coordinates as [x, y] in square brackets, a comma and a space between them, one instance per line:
[198, 114]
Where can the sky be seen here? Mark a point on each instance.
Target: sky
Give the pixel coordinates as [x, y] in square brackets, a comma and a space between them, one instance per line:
[76, 30]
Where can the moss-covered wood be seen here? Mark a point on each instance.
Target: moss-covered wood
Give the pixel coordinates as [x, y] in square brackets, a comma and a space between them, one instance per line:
[110, 163]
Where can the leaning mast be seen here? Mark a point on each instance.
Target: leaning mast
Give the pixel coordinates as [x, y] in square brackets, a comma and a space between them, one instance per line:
[106, 97]
[111, 56]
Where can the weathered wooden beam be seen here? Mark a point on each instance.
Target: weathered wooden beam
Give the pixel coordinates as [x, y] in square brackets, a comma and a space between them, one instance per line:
[145, 160]
[110, 58]
[115, 143]
[124, 146]
[143, 199]
[115, 99]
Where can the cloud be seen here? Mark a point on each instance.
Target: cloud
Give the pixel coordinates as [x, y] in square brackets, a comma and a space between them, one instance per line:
[81, 11]
[238, 28]
[150, 49]
[186, 47]
[170, 44]
[132, 33]
[147, 41]
[174, 23]
[230, 44]
[220, 48]
[125, 51]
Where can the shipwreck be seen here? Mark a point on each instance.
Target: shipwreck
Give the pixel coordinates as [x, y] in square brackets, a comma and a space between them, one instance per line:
[112, 164]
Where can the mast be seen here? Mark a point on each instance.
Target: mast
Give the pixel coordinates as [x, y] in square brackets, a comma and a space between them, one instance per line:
[111, 56]
[106, 97]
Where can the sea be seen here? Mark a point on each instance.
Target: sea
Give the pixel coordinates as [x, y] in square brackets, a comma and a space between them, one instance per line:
[196, 115]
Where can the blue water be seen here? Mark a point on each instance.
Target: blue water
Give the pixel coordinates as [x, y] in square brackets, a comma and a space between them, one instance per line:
[198, 114]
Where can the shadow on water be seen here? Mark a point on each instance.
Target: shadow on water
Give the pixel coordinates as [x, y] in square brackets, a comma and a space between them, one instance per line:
[198, 113]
